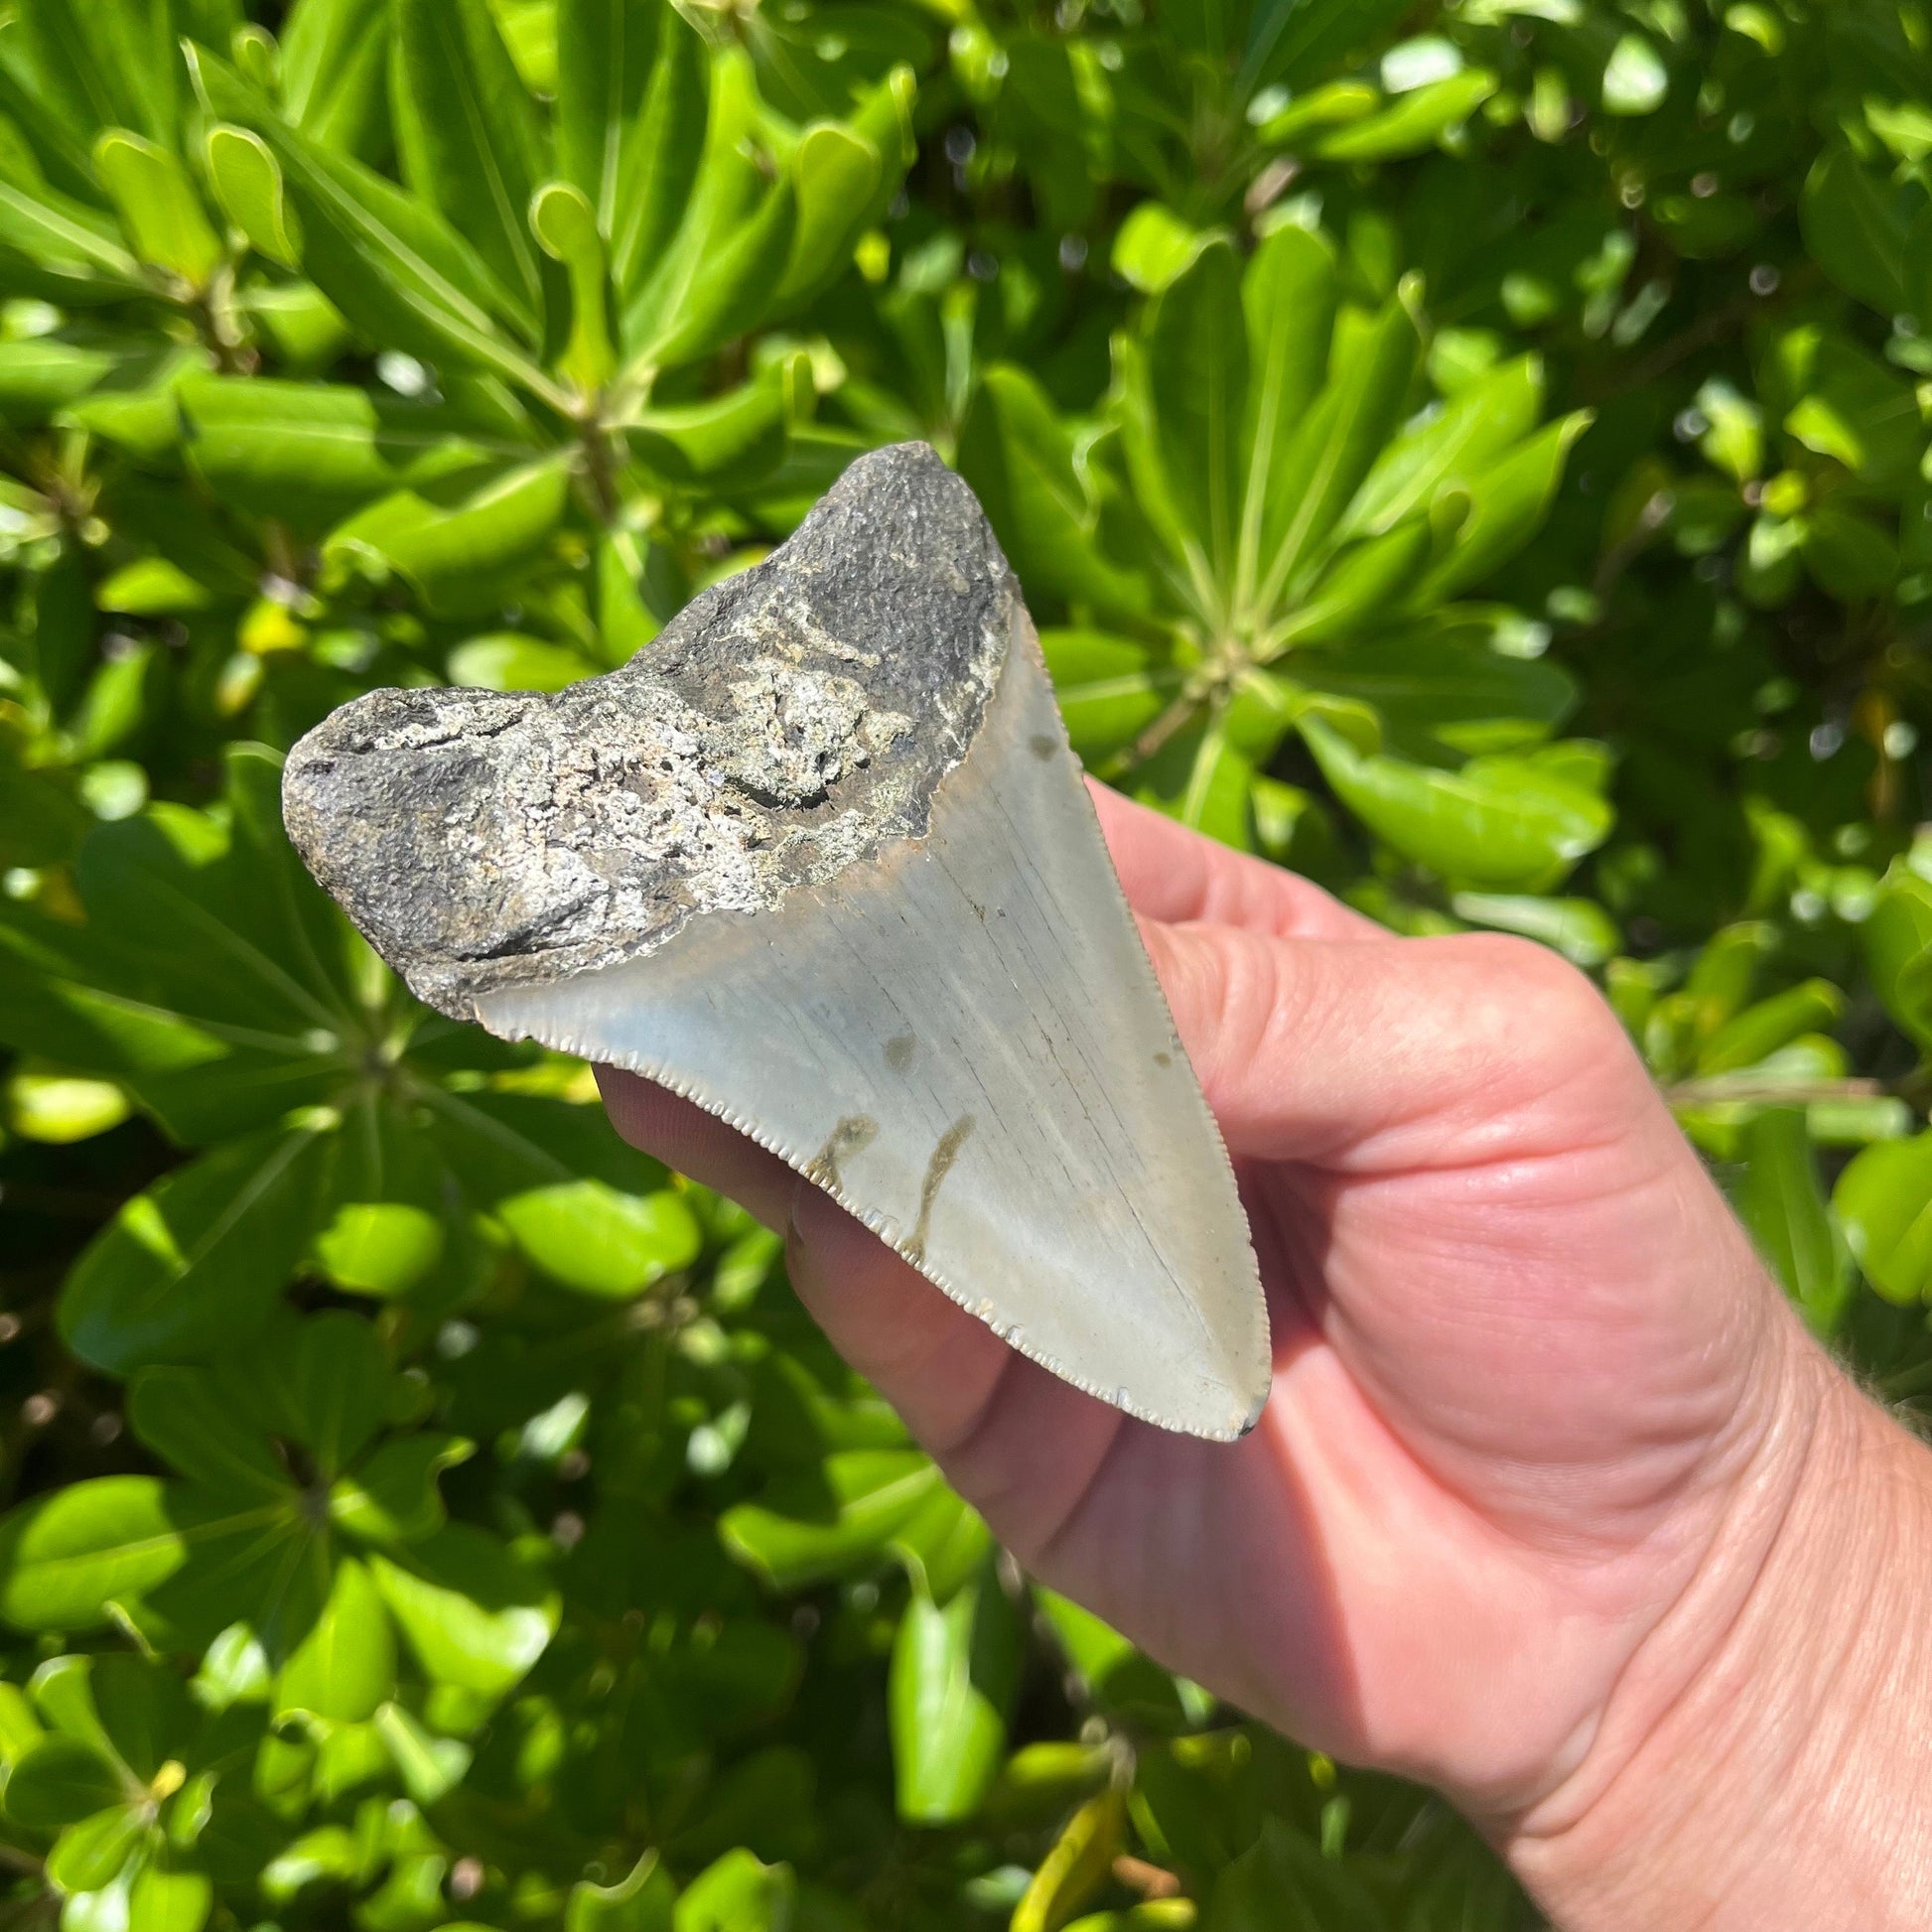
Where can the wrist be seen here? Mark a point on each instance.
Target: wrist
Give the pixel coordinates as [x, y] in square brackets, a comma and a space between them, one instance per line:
[1760, 1761]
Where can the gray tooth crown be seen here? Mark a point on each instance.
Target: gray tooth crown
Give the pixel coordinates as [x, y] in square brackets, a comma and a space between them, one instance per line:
[784, 726]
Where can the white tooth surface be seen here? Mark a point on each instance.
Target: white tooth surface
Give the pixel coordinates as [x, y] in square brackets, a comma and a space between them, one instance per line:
[963, 1040]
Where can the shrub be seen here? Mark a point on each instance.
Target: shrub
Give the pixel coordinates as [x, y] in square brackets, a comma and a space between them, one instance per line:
[1474, 452]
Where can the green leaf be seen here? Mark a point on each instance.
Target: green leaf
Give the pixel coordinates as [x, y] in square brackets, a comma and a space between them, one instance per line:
[1042, 493]
[943, 1544]
[1220, 777]
[1332, 453]
[20, 1730]
[1293, 44]
[59, 1780]
[737, 1894]
[1197, 379]
[170, 1901]
[1443, 693]
[1858, 231]
[1759, 1030]
[1448, 447]
[62, 1690]
[109, 64]
[1735, 442]
[1288, 299]
[606, 50]
[660, 153]
[592, 1238]
[158, 206]
[386, 258]
[630, 118]
[720, 271]
[508, 662]
[135, 1709]
[1501, 822]
[334, 57]
[459, 557]
[732, 273]
[1578, 928]
[55, 230]
[1897, 940]
[91, 1855]
[200, 1084]
[1283, 1884]
[476, 1616]
[954, 1673]
[640, 1901]
[732, 439]
[1849, 406]
[59, 1109]
[1635, 80]
[393, 1497]
[338, 1388]
[1415, 121]
[1153, 247]
[1883, 1200]
[311, 453]
[346, 1664]
[843, 1517]
[1782, 1205]
[196, 1261]
[248, 182]
[138, 412]
[1362, 583]
[39, 377]
[381, 1248]
[1110, 689]
[1849, 557]
[835, 178]
[431, 1767]
[179, 1414]
[328, 1853]
[1076, 1867]
[566, 225]
[66, 1556]
[1508, 503]
[468, 140]
[1115, 1673]
[1152, 1915]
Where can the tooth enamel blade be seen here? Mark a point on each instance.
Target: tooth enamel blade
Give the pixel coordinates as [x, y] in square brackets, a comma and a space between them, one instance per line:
[819, 858]
[963, 1041]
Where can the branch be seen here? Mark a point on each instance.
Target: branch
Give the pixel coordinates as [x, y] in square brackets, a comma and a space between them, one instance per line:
[1722, 1087]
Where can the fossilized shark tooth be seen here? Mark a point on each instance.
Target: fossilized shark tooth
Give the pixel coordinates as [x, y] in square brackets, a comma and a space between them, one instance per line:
[820, 859]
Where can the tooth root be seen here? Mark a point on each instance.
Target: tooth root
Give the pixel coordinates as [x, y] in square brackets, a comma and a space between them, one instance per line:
[963, 1043]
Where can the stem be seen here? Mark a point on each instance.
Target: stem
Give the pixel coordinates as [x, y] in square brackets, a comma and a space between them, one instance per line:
[1907, 1383]
[214, 315]
[1718, 1088]
[599, 472]
[1177, 716]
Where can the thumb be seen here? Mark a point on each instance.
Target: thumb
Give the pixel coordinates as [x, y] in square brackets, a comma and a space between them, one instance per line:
[1378, 1052]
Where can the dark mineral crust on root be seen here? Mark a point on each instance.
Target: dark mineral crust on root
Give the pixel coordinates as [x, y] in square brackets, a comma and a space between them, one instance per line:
[784, 726]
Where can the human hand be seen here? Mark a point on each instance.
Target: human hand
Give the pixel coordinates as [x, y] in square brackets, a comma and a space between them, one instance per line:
[1542, 1431]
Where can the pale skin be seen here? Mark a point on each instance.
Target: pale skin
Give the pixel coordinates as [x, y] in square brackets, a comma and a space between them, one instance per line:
[1554, 1504]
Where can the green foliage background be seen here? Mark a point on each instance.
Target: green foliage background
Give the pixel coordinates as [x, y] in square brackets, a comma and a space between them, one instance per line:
[1473, 452]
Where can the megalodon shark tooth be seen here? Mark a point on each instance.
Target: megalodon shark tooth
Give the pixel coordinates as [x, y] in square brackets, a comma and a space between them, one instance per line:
[820, 859]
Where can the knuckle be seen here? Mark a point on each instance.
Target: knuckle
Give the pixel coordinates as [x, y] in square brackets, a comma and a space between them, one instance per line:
[1537, 1009]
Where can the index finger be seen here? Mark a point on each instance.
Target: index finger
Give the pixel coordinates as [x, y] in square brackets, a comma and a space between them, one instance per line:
[1176, 875]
